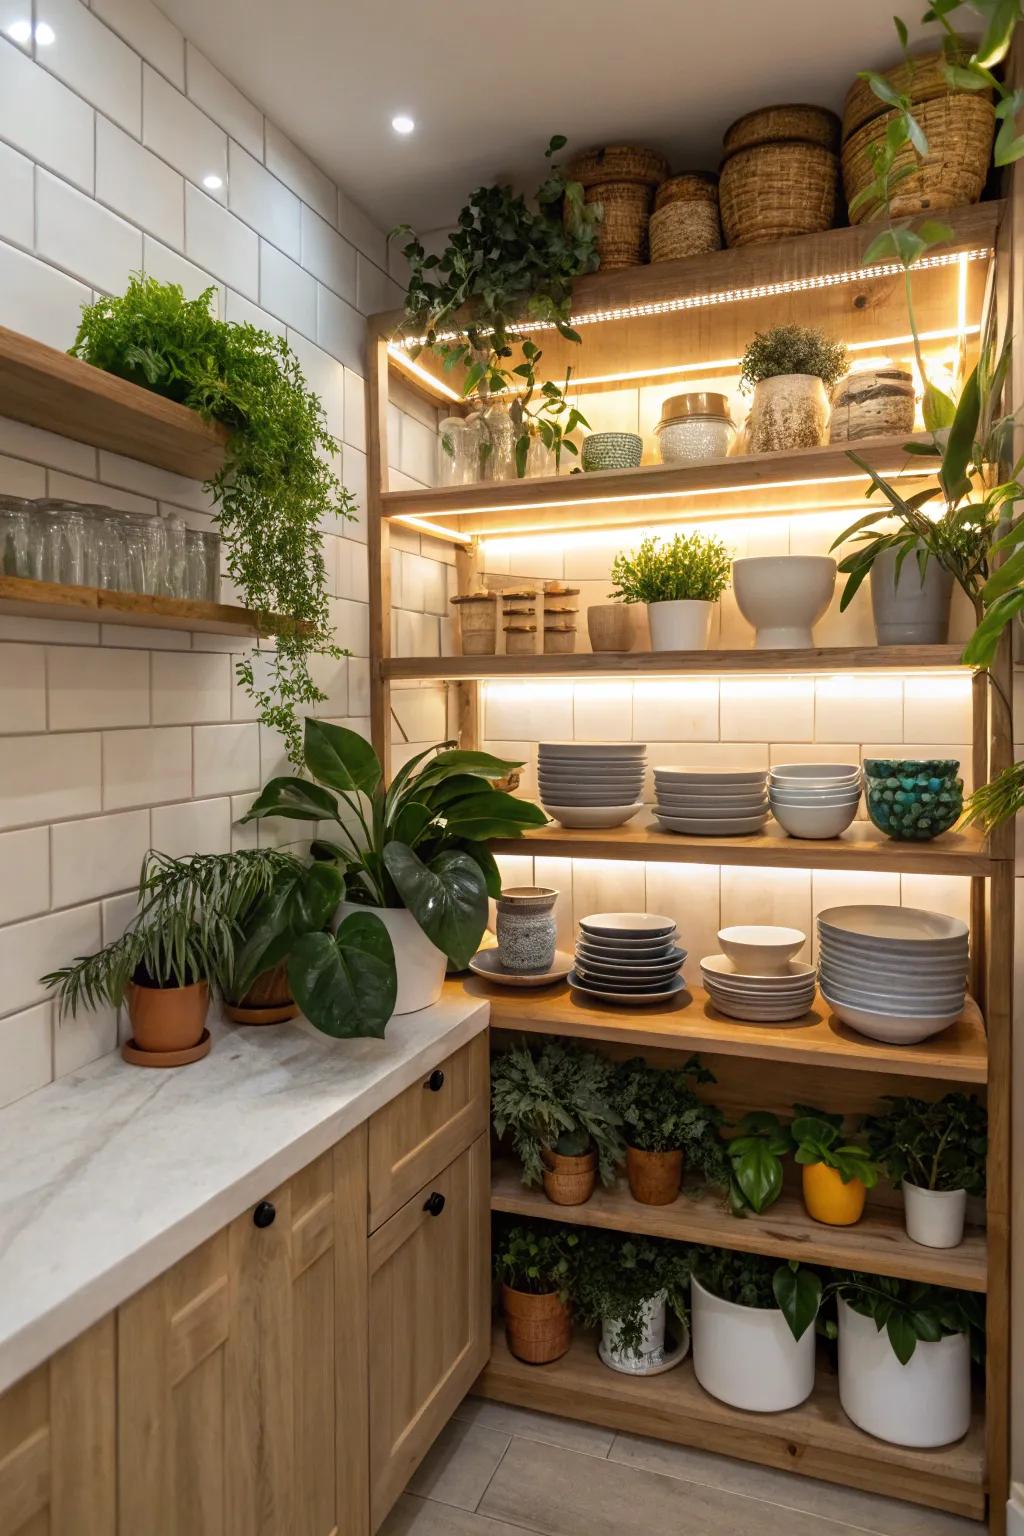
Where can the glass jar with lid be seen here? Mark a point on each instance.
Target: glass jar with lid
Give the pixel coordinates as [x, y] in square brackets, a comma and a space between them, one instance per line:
[695, 428]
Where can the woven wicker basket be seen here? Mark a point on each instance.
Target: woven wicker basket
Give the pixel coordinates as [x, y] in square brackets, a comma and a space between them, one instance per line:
[622, 232]
[619, 163]
[776, 190]
[792, 124]
[687, 228]
[959, 130]
[690, 187]
[922, 81]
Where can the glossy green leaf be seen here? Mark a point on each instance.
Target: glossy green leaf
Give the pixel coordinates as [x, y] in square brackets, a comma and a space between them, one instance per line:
[980, 650]
[482, 855]
[295, 799]
[758, 1172]
[346, 983]
[341, 758]
[411, 822]
[798, 1294]
[303, 905]
[447, 897]
[498, 808]
[902, 1336]
[960, 443]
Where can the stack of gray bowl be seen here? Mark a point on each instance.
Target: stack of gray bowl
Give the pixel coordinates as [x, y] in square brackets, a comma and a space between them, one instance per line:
[710, 804]
[896, 974]
[815, 799]
[591, 784]
[628, 957]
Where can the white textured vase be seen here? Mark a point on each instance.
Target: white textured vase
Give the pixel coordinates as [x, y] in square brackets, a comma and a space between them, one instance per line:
[683, 625]
[934, 1217]
[747, 1356]
[783, 596]
[420, 964]
[789, 411]
[925, 1403]
[651, 1356]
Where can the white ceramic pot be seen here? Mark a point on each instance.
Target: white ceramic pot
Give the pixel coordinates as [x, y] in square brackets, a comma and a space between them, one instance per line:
[934, 1217]
[788, 411]
[420, 964]
[925, 1403]
[783, 596]
[747, 1357]
[680, 626]
[652, 1357]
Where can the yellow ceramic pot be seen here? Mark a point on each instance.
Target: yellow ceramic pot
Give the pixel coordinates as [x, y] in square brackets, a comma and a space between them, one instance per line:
[829, 1200]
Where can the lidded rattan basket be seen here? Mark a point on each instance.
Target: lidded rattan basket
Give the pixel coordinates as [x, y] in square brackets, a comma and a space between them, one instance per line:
[789, 123]
[618, 163]
[959, 128]
[771, 191]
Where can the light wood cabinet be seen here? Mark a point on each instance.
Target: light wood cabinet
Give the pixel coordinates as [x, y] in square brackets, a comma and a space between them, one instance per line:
[429, 1317]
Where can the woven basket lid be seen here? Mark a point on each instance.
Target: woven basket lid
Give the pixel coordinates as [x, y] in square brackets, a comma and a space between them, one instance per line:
[798, 122]
[690, 187]
[701, 402]
[619, 162]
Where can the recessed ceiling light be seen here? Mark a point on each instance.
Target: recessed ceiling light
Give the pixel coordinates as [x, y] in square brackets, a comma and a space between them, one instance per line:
[20, 31]
[402, 123]
[213, 183]
[45, 35]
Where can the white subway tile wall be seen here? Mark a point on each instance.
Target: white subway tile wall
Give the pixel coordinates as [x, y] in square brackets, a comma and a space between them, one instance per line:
[114, 740]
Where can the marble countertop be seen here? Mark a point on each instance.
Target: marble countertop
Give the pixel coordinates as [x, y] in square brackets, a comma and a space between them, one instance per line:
[114, 1173]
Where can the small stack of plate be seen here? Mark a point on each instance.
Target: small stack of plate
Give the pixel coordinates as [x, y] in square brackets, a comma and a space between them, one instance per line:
[756, 978]
[628, 957]
[710, 804]
[591, 784]
[896, 974]
[815, 799]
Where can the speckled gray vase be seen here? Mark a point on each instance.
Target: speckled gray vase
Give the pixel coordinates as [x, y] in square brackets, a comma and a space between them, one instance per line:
[526, 928]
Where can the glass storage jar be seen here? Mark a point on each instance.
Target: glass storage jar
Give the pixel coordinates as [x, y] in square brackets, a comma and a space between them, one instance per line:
[173, 581]
[458, 450]
[497, 442]
[62, 533]
[143, 539]
[108, 566]
[695, 428]
[19, 549]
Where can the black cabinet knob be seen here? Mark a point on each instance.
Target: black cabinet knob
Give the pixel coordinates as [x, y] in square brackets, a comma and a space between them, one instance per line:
[435, 1082]
[264, 1214]
[434, 1204]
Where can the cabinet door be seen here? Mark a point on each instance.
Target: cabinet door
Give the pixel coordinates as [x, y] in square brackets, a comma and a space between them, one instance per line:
[57, 1443]
[429, 1317]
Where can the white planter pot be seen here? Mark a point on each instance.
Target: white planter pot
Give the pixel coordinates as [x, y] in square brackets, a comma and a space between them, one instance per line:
[783, 596]
[925, 1403]
[680, 626]
[651, 1358]
[747, 1357]
[420, 964]
[934, 1217]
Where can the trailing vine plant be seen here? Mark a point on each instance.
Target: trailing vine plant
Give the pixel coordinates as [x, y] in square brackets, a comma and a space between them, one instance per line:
[507, 267]
[276, 488]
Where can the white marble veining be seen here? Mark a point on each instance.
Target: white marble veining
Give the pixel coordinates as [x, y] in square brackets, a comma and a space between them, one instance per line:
[114, 1173]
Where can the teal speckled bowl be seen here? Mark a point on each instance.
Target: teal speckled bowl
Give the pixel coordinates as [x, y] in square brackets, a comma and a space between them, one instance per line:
[612, 450]
[913, 800]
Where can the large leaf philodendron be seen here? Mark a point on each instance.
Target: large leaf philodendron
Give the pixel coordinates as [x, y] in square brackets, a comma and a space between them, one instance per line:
[419, 843]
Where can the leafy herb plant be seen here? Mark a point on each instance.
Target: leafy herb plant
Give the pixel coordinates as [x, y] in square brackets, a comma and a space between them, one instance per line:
[748, 1280]
[616, 1276]
[558, 1098]
[537, 1257]
[691, 567]
[818, 1138]
[661, 1113]
[793, 349]
[936, 1145]
[276, 488]
[755, 1154]
[912, 1312]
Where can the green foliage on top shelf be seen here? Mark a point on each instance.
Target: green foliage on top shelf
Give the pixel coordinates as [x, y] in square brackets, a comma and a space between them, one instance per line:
[276, 491]
[818, 1138]
[940, 1144]
[556, 1098]
[912, 1312]
[749, 1280]
[661, 1113]
[690, 567]
[617, 1275]
[793, 349]
[537, 1257]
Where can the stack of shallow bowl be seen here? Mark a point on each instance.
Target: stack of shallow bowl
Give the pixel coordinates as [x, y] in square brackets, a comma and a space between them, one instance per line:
[815, 799]
[756, 978]
[710, 804]
[591, 784]
[896, 974]
[628, 957]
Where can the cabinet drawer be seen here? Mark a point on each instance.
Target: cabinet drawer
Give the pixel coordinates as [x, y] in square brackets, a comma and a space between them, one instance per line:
[421, 1131]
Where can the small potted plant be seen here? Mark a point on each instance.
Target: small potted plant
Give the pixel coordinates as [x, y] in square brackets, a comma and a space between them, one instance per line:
[935, 1152]
[791, 370]
[753, 1329]
[627, 1286]
[755, 1155]
[556, 1104]
[534, 1264]
[905, 1358]
[302, 899]
[666, 1124]
[680, 582]
[837, 1173]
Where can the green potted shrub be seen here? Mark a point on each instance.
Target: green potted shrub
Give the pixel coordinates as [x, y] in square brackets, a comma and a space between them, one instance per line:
[837, 1172]
[413, 855]
[753, 1329]
[680, 582]
[302, 899]
[627, 1286]
[934, 1151]
[535, 1265]
[555, 1101]
[755, 1155]
[666, 1124]
[791, 370]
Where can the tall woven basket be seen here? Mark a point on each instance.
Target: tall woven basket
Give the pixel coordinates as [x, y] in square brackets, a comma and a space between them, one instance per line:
[920, 80]
[622, 232]
[685, 227]
[959, 129]
[771, 191]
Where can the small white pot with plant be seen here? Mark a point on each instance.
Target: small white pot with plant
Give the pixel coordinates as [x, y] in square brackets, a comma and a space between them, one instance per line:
[627, 1286]
[680, 582]
[791, 370]
[936, 1153]
[753, 1330]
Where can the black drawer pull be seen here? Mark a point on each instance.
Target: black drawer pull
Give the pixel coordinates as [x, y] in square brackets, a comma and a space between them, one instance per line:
[264, 1214]
[435, 1082]
[434, 1204]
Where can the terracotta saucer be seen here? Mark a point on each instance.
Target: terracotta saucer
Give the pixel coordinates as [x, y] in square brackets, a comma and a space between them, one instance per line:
[137, 1058]
[274, 1013]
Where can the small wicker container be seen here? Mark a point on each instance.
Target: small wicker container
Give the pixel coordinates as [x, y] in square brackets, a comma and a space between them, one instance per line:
[685, 227]
[773, 191]
[622, 232]
[959, 129]
[618, 163]
[793, 123]
[690, 187]
[876, 402]
[922, 80]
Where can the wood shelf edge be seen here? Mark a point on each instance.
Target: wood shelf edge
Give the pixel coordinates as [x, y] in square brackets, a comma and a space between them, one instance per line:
[836, 658]
[23, 598]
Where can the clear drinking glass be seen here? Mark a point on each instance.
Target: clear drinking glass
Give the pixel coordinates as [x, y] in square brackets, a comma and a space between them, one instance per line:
[143, 541]
[107, 559]
[211, 565]
[17, 544]
[195, 564]
[458, 450]
[61, 535]
[173, 576]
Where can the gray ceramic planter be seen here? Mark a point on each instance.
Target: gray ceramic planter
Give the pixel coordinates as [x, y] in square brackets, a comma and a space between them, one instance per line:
[910, 612]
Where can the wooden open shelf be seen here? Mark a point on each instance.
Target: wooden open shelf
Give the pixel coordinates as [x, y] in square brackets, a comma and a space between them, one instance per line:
[46, 388]
[959, 1054]
[49, 600]
[816, 1439]
[878, 1244]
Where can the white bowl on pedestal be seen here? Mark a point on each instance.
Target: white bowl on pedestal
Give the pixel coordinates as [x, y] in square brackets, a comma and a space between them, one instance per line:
[783, 596]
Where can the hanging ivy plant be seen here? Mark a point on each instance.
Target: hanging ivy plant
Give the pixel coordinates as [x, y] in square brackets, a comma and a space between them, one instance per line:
[276, 488]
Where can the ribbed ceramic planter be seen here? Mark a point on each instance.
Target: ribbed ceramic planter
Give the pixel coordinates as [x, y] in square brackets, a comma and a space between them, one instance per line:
[934, 1217]
[569, 1180]
[610, 626]
[538, 1328]
[654, 1177]
[925, 1403]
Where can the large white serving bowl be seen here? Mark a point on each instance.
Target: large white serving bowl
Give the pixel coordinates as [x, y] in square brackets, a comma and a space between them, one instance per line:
[883, 957]
[891, 1028]
[815, 773]
[872, 995]
[594, 817]
[628, 925]
[783, 596]
[728, 826]
[808, 821]
[703, 779]
[906, 926]
[602, 751]
[761, 949]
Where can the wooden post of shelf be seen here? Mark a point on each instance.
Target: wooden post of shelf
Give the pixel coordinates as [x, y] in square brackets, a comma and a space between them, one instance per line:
[999, 1024]
[379, 544]
[979, 884]
[467, 694]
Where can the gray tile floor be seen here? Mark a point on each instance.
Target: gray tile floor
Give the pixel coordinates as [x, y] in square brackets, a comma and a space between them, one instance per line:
[499, 1471]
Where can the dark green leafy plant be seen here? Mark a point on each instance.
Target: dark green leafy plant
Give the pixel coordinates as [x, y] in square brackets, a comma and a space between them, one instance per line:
[536, 1256]
[616, 1276]
[276, 488]
[911, 1312]
[556, 1098]
[749, 1280]
[818, 1138]
[691, 567]
[940, 1144]
[793, 349]
[661, 1113]
[755, 1154]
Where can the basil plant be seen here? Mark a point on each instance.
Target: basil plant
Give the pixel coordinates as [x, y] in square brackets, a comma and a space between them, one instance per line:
[419, 843]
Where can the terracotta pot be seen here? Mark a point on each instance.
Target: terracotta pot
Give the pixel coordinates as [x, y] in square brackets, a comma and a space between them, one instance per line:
[569, 1180]
[610, 626]
[654, 1177]
[538, 1328]
[829, 1200]
[268, 1001]
[168, 1018]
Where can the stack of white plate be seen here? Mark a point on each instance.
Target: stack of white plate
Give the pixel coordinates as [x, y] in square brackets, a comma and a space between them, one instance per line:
[815, 799]
[591, 784]
[896, 974]
[756, 977]
[710, 804]
[628, 957]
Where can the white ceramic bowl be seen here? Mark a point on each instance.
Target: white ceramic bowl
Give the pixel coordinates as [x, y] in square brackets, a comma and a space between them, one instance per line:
[670, 792]
[864, 994]
[603, 751]
[808, 821]
[767, 988]
[783, 596]
[699, 779]
[908, 972]
[585, 774]
[631, 999]
[642, 963]
[753, 1013]
[886, 925]
[892, 1028]
[722, 969]
[627, 949]
[761, 950]
[629, 925]
[610, 798]
[594, 817]
[828, 799]
[816, 773]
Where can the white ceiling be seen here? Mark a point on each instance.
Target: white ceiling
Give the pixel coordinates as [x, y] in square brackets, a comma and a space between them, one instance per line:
[489, 83]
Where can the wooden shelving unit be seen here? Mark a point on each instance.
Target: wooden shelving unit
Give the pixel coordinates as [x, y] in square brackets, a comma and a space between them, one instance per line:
[826, 659]
[22, 598]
